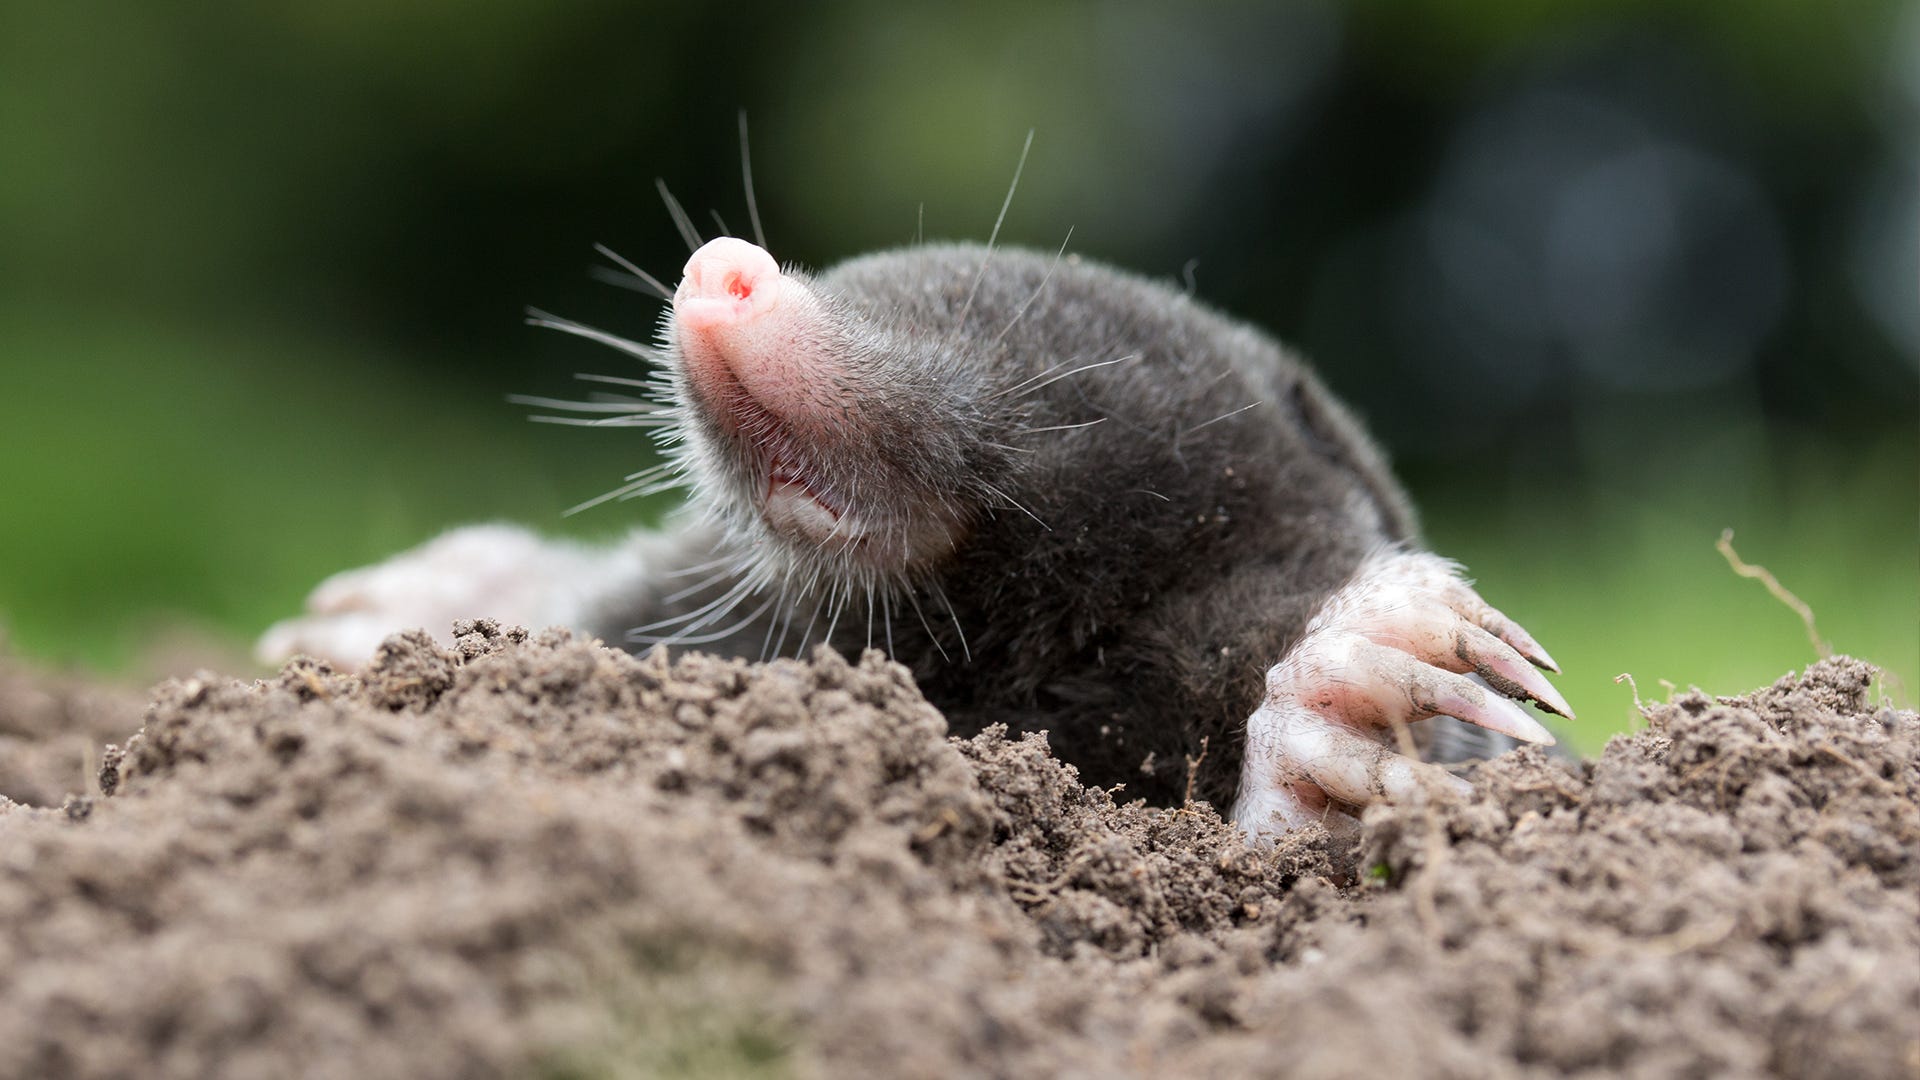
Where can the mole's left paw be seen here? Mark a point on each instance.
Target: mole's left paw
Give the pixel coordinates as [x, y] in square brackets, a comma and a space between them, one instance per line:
[1404, 640]
[481, 570]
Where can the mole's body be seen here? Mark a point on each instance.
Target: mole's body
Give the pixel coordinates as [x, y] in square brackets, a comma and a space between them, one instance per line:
[1068, 498]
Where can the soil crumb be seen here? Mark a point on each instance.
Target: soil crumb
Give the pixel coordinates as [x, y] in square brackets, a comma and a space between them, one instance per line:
[530, 855]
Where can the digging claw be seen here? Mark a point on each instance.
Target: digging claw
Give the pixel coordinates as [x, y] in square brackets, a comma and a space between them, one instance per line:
[1515, 635]
[481, 570]
[1405, 640]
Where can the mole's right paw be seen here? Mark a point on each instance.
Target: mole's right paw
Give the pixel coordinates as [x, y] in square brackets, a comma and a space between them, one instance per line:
[1404, 640]
[491, 571]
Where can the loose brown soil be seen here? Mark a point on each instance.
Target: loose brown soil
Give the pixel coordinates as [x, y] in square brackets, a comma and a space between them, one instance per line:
[542, 857]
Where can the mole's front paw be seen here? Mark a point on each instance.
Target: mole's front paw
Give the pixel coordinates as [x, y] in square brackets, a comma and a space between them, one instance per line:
[1404, 640]
[491, 571]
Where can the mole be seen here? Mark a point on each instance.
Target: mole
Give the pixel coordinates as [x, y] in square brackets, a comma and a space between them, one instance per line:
[1068, 498]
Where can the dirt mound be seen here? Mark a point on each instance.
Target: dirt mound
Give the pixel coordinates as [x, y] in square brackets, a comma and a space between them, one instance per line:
[542, 855]
[52, 730]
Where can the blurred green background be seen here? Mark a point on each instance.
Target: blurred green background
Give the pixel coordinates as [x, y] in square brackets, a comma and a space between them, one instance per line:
[1606, 277]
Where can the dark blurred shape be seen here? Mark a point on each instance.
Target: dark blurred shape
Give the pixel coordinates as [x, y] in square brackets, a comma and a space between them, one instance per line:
[1568, 238]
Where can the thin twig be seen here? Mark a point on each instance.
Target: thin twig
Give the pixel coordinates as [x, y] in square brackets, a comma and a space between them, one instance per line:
[1779, 591]
[1193, 769]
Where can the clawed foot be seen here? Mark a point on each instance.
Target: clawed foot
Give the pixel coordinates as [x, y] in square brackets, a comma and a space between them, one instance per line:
[1405, 640]
[493, 571]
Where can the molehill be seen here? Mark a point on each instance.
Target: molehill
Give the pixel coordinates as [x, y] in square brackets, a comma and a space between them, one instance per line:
[538, 856]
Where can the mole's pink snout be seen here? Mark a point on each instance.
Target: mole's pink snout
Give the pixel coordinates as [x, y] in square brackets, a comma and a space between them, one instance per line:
[728, 282]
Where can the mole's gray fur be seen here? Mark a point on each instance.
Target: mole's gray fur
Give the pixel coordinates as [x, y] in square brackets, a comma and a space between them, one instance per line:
[1155, 497]
[1069, 499]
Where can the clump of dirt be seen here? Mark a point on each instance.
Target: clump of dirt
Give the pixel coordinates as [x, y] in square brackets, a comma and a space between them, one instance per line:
[539, 854]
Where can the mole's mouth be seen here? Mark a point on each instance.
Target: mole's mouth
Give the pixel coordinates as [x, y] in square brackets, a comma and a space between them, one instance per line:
[764, 443]
[790, 505]
[784, 481]
[787, 490]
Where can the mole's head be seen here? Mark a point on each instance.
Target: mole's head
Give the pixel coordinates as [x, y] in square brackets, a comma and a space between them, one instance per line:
[1001, 415]
[838, 438]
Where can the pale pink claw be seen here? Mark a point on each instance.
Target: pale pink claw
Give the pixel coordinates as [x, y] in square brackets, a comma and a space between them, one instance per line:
[1443, 637]
[1469, 604]
[1405, 640]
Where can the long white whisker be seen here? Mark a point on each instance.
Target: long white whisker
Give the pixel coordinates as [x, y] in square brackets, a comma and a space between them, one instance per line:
[627, 406]
[1011, 323]
[620, 279]
[616, 380]
[914, 600]
[720, 221]
[652, 472]
[746, 179]
[1060, 427]
[1083, 368]
[717, 635]
[636, 419]
[840, 598]
[886, 617]
[698, 568]
[800, 650]
[708, 583]
[679, 214]
[652, 282]
[981, 274]
[633, 489]
[1015, 503]
[609, 397]
[536, 317]
[955, 616]
[1222, 416]
[708, 613]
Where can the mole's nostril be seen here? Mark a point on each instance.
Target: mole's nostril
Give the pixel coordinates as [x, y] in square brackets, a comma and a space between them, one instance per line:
[728, 282]
[728, 269]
